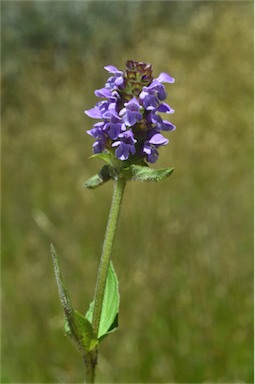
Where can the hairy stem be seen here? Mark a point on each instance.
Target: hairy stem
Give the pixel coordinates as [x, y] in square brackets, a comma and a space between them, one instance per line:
[90, 361]
[119, 186]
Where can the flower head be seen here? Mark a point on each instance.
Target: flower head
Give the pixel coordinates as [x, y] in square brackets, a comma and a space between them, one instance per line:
[131, 124]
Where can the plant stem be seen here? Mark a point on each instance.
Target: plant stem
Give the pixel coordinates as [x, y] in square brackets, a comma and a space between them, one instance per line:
[119, 186]
[90, 361]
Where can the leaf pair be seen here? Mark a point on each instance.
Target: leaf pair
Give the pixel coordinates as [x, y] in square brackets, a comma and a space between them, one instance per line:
[79, 327]
[132, 172]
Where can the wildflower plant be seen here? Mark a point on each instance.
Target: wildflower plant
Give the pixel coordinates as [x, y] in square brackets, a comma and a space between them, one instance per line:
[127, 137]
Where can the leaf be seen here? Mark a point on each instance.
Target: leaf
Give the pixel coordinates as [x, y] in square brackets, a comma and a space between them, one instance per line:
[85, 331]
[114, 325]
[62, 292]
[76, 325]
[93, 182]
[102, 177]
[145, 173]
[105, 156]
[110, 308]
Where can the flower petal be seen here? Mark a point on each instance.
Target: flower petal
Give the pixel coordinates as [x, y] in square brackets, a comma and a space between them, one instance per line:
[165, 78]
[165, 108]
[167, 126]
[103, 92]
[158, 139]
[95, 113]
[111, 69]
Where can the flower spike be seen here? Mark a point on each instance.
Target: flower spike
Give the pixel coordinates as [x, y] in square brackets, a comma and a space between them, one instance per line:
[130, 112]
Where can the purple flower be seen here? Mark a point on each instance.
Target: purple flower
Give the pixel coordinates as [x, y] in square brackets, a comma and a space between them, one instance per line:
[100, 109]
[101, 139]
[99, 145]
[103, 92]
[150, 152]
[163, 107]
[125, 145]
[131, 113]
[114, 127]
[152, 95]
[157, 139]
[116, 80]
[97, 130]
[161, 125]
[154, 141]
[165, 78]
[165, 125]
[108, 110]
[95, 112]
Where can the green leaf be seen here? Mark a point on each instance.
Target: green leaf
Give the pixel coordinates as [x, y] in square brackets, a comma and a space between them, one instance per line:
[93, 182]
[85, 331]
[105, 156]
[62, 291]
[76, 325]
[145, 173]
[102, 177]
[114, 325]
[110, 309]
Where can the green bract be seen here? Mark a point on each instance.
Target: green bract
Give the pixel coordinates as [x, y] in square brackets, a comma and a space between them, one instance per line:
[143, 173]
[116, 170]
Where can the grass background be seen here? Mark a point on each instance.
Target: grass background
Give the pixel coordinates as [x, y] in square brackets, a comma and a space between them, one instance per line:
[184, 247]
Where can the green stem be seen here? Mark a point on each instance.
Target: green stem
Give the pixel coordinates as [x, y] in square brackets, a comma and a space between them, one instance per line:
[90, 361]
[119, 186]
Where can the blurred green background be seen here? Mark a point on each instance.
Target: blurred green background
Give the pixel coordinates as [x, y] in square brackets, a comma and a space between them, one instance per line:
[184, 247]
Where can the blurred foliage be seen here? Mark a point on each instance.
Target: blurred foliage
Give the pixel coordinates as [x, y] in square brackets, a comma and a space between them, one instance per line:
[187, 311]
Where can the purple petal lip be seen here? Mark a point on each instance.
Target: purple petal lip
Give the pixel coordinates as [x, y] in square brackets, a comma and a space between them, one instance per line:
[165, 78]
[95, 113]
[147, 149]
[167, 126]
[112, 69]
[158, 139]
[123, 150]
[110, 113]
[98, 146]
[128, 136]
[165, 108]
[103, 92]
[113, 130]
[116, 143]
[151, 152]
[119, 81]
